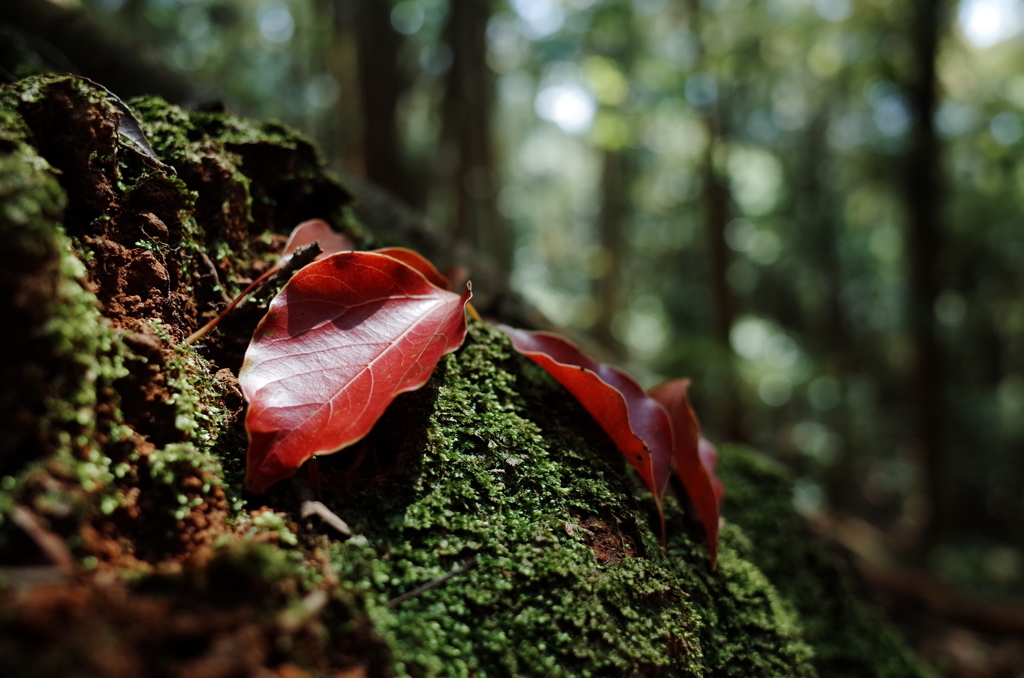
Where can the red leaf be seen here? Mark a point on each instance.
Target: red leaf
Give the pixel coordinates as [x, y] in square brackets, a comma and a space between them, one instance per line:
[709, 459]
[345, 336]
[418, 262]
[693, 458]
[315, 230]
[637, 424]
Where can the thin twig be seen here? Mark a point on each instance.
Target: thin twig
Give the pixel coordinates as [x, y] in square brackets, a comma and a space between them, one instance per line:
[286, 268]
[316, 508]
[309, 506]
[48, 542]
[201, 332]
[211, 271]
[432, 584]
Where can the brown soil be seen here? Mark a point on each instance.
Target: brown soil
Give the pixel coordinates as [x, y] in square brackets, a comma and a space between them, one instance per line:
[108, 630]
[147, 264]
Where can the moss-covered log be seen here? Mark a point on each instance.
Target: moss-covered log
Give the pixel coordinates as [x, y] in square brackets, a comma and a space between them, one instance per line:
[128, 548]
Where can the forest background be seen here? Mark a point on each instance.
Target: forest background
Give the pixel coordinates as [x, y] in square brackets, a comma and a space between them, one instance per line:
[811, 207]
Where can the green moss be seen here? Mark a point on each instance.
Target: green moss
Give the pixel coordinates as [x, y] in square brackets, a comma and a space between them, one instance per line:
[197, 397]
[849, 637]
[57, 399]
[513, 476]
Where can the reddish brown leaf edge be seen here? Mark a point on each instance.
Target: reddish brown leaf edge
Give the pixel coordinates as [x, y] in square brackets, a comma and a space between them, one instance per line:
[693, 458]
[342, 339]
[638, 425]
[420, 263]
[657, 432]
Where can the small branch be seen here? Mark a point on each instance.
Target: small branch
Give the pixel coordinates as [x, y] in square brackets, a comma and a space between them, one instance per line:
[432, 584]
[201, 332]
[286, 268]
[48, 542]
[316, 508]
[309, 506]
[211, 271]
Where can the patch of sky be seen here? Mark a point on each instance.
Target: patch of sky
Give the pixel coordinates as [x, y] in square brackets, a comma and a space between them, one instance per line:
[643, 328]
[986, 23]
[407, 17]
[756, 179]
[275, 21]
[507, 48]
[833, 10]
[538, 19]
[565, 100]
[773, 361]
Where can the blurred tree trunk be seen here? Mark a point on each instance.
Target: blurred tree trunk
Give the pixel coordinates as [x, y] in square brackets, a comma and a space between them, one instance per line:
[832, 330]
[69, 40]
[618, 173]
[615, 181]
[466, 134]
[381, 86]
[922, 190]
[344, 144]
[717, 207]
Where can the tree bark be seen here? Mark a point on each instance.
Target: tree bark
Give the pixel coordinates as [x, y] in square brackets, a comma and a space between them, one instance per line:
[381, 85]
[615, 183]
[467, 128]
[922, 190]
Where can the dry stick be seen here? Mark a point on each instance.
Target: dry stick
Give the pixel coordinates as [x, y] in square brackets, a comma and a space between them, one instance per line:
[49, 543]
[198, 334]
[308, 506]
[432, 584]
[287, 265]
[317, 508]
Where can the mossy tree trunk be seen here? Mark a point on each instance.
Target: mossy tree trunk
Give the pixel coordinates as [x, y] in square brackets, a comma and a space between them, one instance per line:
[128, 548]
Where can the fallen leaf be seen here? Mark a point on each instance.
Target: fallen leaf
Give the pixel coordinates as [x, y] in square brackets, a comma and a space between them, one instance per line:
[638, 425]
[345, 336]
[319, 231]
[418, 262]
[693, 458]
[130, 130]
